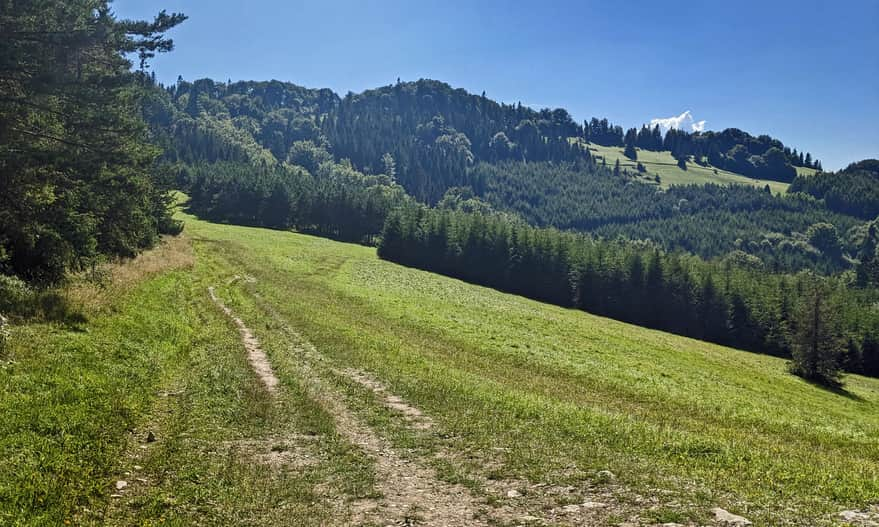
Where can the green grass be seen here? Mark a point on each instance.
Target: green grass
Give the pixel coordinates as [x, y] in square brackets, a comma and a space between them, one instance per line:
[665, 166]
[803, 171]
[561, 389]
[521, 390]
[154, 355]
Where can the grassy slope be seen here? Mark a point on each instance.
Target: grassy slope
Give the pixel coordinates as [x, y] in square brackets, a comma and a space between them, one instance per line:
[526, 390]
[562, 389]
[803, 171]
[663, 164]
[156, 356]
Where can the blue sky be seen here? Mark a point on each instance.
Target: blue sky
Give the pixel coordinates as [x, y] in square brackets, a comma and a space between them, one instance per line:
[805, 72]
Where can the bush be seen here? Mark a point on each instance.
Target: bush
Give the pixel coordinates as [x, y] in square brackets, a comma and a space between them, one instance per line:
[19, 300]
[168, 225]
[14, 294]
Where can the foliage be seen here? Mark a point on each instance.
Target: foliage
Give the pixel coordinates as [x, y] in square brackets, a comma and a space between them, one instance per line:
[435, 133]
[818, 342]
[430, 139]
[75, 166]
[732, 302]
[853, 191]
[707, 220]
[736, 151]
[336, 201]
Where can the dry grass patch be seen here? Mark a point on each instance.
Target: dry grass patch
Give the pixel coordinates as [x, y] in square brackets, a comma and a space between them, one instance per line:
[94, 290]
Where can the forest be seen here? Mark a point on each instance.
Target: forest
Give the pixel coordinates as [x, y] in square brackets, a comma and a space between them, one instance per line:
[733, 301]
[853, 190]
[79, 178]
[519, 160]
[708, 220]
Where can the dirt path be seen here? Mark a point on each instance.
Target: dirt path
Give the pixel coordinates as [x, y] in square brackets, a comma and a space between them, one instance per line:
[411, 414]
[258, 360]
[410, 494]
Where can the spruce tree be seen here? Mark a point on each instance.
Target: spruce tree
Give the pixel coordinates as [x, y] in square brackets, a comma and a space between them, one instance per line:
[818, 343]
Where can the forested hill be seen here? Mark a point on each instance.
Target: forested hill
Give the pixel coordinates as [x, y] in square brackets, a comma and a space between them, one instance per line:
[433, 131]
[252, 122]
[280, 155]
[854, 190]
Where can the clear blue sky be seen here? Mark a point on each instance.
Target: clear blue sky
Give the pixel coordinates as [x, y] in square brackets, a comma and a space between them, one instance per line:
[805, 72]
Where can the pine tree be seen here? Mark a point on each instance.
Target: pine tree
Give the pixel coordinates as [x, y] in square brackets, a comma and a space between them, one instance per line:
[818, 343]
[78, 172]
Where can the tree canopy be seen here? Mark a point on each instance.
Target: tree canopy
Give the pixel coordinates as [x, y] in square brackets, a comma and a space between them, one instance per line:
[77, 173]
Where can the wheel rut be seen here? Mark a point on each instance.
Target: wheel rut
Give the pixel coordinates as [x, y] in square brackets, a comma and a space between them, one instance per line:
[255, 355]
[409, 493]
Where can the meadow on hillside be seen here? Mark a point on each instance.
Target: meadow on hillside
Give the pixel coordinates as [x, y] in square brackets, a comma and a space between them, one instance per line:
[520, 396]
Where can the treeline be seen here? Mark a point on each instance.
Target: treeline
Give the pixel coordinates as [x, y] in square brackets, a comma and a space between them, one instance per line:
[335, 201]
[853, 191]
[707, 220]
[78, 178]
[724, 301]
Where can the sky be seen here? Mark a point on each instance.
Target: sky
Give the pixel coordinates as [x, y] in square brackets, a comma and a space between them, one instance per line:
[805, 72]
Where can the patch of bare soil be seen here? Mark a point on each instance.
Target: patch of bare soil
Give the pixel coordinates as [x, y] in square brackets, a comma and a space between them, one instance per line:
[255, 355]
[413, 415]
[290, 452]
[411, 494]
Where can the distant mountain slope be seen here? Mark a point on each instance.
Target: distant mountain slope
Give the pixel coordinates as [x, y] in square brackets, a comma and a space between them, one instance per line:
[281, 155]
[854, 190]
[673, 172]
[709, 220]
[435, 132]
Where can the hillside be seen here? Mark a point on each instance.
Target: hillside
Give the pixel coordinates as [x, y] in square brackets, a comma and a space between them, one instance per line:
[853, 190]
[517, 409]
[434, 132]
[280, 155]
[261, 304]
[664, 165]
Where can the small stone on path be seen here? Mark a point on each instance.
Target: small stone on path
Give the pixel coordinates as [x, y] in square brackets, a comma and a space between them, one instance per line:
[606, 475]
[728, 518]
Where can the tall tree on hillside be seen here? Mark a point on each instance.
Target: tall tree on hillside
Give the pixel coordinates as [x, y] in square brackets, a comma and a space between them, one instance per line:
[630, 140]
[77, 176]
[818, 343]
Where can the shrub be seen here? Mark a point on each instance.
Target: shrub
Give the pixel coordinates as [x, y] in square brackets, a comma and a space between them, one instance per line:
[14, 294]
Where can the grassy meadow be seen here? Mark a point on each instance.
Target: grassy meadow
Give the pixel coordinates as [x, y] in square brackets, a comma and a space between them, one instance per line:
[666, 167]
[522, 395]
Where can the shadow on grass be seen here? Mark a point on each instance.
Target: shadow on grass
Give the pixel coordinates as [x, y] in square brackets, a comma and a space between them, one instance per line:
[836, 389]
[45, 306]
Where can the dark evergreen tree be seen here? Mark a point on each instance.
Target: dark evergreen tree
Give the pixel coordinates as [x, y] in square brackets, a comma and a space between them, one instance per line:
[818, 343]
